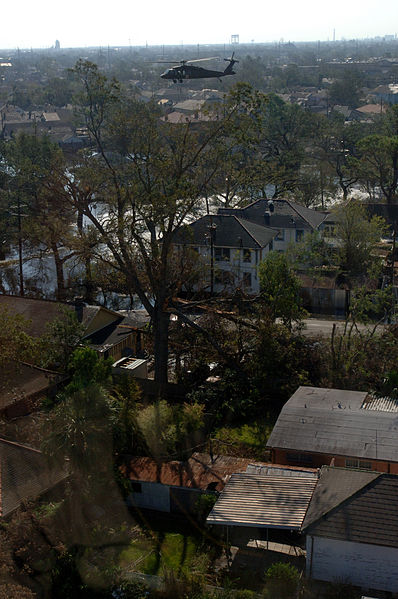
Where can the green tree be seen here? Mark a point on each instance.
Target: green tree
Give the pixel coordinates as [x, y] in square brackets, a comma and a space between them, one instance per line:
[148, 178]
[171, 430]
[377, 166]
[346, 89]
[80, 429]
[29, 163]
[357, 236]
[279, 290]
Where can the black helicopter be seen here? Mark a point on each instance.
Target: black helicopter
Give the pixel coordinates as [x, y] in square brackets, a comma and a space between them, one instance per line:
[186, 71]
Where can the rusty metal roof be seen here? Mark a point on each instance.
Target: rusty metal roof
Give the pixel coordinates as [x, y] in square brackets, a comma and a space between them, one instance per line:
[197, 473]
[271, 501]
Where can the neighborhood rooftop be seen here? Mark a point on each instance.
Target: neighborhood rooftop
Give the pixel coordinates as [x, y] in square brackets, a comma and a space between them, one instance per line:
[283, 214]
[229, 231]
[365, 507]
[264, 501]
[24, 474]
[331, 421]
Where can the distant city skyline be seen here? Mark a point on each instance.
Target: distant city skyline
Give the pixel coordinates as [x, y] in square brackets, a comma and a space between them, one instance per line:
[124, 23]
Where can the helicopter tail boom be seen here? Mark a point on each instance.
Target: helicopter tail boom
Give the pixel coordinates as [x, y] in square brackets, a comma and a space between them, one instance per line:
[228, 70]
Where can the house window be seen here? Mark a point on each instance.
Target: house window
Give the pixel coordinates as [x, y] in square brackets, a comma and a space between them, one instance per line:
[362, 464]
[299, 235]
[222, 254]
[302, 459]
[136, 487]
[224, 277]
[247, 279]
[247, 256]
[281, 236]
[329, 231]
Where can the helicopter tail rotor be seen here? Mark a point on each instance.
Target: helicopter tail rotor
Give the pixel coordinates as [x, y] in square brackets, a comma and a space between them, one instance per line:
[232, 61]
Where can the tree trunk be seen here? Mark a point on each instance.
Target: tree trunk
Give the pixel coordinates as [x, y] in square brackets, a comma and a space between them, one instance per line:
[60, 272]
[161, 322]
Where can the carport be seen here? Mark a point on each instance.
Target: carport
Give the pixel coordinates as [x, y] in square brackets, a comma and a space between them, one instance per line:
[255, 502]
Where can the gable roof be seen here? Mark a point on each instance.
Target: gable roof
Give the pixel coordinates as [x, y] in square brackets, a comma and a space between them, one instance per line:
[230, 231]
[39, 312]
[285, 214]
[368, 513]
[24, 474]
[334, 486]
[336, 422]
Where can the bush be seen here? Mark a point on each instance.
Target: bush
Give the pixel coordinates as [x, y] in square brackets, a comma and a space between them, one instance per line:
[282, 571]
[282, 578]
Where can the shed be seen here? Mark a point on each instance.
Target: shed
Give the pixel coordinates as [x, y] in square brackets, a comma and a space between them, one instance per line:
[176, 486]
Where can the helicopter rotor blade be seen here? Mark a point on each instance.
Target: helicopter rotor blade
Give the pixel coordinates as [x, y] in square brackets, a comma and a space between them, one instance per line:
[203, 59]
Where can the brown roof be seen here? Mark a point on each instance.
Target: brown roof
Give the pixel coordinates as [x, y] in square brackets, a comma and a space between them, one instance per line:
[371, 109]
[196, 473]
[37, 312]
[23, 381]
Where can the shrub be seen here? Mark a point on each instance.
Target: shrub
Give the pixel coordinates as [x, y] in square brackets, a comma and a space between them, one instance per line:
[282, 578]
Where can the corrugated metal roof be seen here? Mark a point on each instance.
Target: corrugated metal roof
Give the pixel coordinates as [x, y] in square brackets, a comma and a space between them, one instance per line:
[331, 421]
[259, 501]
[382, 404]
[271, 470]
[130, 363]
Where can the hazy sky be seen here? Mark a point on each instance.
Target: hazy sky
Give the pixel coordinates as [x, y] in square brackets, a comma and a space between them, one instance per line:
[121, 22]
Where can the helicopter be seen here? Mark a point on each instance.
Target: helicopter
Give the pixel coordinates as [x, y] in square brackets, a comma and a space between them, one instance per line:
[186, 71]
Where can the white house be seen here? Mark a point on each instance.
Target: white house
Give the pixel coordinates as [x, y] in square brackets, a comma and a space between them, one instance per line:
[233, 242]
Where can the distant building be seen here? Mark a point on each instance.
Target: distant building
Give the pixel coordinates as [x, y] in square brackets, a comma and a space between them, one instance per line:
[57, 45]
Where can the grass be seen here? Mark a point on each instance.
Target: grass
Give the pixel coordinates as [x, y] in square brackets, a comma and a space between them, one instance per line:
[46, 510]
[171, 551]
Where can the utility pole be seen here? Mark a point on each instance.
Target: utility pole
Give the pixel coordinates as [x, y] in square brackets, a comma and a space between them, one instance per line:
[212, 232]
[19, 215]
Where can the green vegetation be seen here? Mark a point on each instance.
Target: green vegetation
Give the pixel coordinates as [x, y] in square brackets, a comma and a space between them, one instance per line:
[246, 439]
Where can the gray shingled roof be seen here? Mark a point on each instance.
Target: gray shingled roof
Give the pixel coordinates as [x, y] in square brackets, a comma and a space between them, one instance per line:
[263, 501]
[332, 421]
[369, 515]
[335, 485]
[230, 232]
[286, 214]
